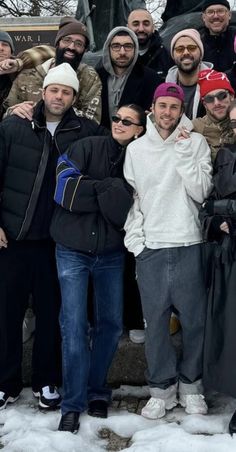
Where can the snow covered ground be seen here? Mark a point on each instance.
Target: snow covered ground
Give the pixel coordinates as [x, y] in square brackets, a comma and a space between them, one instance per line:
[25, 429]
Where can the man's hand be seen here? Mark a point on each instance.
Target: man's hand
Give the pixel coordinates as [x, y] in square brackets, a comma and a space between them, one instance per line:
[183, 134]
[8, 66]
[224, 227]
[24, 110]
[3, 239]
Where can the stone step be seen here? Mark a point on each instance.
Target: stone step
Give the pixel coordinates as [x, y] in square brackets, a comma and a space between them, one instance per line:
[128, 367]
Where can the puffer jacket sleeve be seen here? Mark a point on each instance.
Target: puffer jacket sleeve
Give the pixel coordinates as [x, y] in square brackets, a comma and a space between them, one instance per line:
[74, 191]
[115, 197]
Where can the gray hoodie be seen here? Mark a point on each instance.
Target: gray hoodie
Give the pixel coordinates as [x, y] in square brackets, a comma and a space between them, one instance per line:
[172, 76]
[116, 82]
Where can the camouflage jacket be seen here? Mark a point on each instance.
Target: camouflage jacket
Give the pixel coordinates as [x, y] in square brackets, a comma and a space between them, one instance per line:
[217, 133]
[28, 86]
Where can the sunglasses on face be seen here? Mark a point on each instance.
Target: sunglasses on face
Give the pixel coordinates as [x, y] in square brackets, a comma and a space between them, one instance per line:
[125, 122]
[190, 48]
[232, 123]
[209, 99]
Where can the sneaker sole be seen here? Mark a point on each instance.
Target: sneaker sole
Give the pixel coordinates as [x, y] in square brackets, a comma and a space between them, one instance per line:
[43, 406]
[9, 400]
[167, 408]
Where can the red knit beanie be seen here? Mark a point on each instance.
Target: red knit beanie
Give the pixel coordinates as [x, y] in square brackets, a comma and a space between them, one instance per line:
[209, 80]
[70, 26]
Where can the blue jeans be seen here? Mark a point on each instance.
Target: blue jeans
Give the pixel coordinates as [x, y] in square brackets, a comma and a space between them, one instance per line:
[87, 353]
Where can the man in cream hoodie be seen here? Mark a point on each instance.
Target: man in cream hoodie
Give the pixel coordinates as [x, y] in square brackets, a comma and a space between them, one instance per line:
[170, 171]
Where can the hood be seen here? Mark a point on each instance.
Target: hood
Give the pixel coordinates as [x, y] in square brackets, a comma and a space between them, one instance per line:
[155, 136]
[106, 51]
[172, 74]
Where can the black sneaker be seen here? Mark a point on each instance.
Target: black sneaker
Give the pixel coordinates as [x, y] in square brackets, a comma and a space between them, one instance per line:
[6, 398]
[49, 398]
[69, 422]
[98, 408]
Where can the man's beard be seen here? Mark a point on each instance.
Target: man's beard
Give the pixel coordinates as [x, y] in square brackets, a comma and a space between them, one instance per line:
[188, 70]
[144, 42]
[74, 62]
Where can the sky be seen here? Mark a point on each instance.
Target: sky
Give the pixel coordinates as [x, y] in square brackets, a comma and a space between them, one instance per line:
[23, 428]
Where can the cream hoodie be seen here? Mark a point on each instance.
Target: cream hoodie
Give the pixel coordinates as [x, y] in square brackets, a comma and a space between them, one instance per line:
[170, 179]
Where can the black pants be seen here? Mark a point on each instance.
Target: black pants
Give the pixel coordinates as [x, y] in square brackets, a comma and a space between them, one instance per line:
[133, 315]
[29, 267]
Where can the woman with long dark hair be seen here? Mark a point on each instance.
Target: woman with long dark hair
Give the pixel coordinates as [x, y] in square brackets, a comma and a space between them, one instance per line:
[93, 201]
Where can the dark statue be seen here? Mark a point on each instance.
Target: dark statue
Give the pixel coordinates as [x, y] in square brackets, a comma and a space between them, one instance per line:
[101, 16]
[174, 8]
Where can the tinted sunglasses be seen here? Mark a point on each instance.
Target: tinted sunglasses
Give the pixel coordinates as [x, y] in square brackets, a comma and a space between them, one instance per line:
[190, 48]
[125, 122]
[209, 99]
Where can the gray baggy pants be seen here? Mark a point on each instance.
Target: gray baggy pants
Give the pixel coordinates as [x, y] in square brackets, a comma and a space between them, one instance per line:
[173, 277]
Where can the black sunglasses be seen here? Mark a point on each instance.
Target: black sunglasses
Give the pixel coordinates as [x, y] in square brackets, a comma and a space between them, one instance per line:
[209, 99]
[125, 122]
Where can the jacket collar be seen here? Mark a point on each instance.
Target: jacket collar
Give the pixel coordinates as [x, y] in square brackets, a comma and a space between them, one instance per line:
[40, 121]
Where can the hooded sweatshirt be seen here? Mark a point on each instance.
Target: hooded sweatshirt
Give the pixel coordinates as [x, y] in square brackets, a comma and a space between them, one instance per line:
[170, 179]
[172, 76]
[116, 82]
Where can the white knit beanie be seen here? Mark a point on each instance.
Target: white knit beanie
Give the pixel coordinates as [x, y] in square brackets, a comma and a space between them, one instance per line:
[63, 74]
[191, 33]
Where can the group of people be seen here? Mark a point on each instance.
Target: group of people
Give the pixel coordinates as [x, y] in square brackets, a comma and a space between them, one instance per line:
[139, 155]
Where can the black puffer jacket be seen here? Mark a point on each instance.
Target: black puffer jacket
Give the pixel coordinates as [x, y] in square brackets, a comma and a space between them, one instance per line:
[25, 148]
[94, 204]
[219, 49]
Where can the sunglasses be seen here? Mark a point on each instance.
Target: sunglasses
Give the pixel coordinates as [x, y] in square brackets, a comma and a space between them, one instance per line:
[209, 99]
[232, 123]
[190, 48]
[125, 122]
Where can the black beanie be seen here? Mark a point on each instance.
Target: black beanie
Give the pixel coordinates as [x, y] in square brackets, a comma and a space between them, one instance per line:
[215, 2]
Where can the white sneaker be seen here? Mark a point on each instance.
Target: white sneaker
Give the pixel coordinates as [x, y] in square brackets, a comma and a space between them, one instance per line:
[137, 336]
[193, 403]
[156, 408]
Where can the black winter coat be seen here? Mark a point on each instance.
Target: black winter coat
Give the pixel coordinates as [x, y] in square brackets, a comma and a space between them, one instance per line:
[95, 204]
[157, 57]
[139, 89]
[25, 148]
[220, 338]
[219, 49]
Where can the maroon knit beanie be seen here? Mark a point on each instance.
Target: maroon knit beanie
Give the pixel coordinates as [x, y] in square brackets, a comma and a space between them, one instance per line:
[70, 26]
